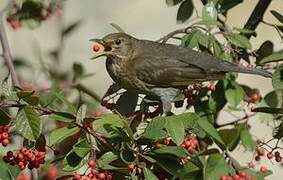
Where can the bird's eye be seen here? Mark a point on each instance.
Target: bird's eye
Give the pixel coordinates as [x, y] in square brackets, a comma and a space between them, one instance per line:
[118, 42]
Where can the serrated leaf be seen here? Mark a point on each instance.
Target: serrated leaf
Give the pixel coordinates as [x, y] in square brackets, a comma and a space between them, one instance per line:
[247, 139]
[275, 57]
[278, 16]
[155, 129]
[126, 104]
[81, 114]
[28, 123]
[277, 78]
[148, 174]
[104, 161]
[185, 11]
[60, 134]
[216, 166]
[210, 130]
[82, 148]
[175, 129]
[239, 40]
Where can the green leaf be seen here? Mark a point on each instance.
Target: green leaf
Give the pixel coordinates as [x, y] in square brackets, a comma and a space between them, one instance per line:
[278, 16]
[148, 174]
[277, 78]
[32, 100]
[73, 162]
[272, 99]
[78, 70]
[4, 117]
[216, 166]
[172, 150]
[247, 139]
[82, 148]
[176, 130]
[225, 5]
[231, 137]
[126, 104]
[275, 57]
[60, 134]
[210, 130]
[244, 31]
[185, 11]
[62, 116]
[106, 123]
[209, 14]
[8, 172]
[278, 131]
[81, 113]
[239, 40]
[265, 49]
[104, 161]
[233, 92]
[155, 129]
[28, 123]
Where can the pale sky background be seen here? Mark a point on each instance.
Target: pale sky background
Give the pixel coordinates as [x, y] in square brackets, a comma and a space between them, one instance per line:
[148, 19]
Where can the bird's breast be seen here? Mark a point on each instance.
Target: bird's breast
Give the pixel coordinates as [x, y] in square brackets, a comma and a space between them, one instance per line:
[125, 77]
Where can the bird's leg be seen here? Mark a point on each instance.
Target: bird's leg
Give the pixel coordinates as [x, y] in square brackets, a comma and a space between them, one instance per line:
[166, 95]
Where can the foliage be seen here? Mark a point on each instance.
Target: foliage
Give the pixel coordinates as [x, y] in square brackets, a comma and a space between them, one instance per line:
[137, 141]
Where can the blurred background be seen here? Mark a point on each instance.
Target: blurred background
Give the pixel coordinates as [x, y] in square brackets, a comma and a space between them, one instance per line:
[145, 19]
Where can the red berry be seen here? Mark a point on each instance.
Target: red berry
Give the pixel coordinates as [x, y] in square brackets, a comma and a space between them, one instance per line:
[91, 163]
[77, 177]
[101, 176]
[211, 87]
[167, 141]
[260, 151]
[278, 158]
[242, 173]
[131, 166]
[269, 155]
[254, 97]
[95, 47]
[5, 135]
[236, 177]
[5, 142]
[257, 158]
[277, 153]
[263, 169]
[224, 178]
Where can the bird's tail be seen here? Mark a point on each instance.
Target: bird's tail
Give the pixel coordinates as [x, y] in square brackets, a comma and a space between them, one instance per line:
[229, 67]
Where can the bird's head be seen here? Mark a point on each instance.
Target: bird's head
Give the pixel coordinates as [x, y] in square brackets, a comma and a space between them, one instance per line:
[113, 45]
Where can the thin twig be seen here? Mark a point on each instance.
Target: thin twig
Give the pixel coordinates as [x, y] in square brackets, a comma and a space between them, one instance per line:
[236, 121]
[6, 49]
[87, 91]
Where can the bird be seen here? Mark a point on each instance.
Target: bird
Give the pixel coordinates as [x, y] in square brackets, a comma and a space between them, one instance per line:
[160, 70]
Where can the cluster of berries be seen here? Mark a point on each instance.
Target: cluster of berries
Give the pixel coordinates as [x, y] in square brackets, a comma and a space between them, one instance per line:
[241, 175]
[93, 173]
[261, 152]
[190, 144]
[35, 10]
[25, 158]
[4, 135]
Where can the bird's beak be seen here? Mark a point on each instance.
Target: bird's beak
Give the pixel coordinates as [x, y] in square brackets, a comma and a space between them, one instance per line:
[102, 48]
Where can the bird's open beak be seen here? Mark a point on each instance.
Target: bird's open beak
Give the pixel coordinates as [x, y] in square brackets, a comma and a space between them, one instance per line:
[100, 48]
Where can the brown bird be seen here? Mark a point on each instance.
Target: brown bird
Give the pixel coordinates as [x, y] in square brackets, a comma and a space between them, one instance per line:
[160, 70]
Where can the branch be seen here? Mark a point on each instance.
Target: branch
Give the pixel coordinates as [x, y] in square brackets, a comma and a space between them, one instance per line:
[236, 121]
[6, 49]
[256, 16]
[87, 91]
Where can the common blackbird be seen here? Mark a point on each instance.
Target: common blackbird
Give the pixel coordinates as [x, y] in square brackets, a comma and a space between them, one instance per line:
[160, 70]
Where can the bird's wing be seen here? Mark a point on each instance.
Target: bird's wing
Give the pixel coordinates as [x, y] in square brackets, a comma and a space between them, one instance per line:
[162, 71]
